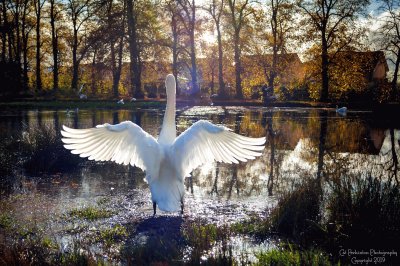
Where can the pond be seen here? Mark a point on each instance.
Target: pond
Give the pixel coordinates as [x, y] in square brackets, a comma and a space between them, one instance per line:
[104, 209]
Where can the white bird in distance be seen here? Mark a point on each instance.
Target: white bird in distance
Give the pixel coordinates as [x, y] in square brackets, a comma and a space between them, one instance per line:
[168, 159]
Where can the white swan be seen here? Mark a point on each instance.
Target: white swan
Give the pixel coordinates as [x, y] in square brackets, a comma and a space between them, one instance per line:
[167, 160]
[341, 110]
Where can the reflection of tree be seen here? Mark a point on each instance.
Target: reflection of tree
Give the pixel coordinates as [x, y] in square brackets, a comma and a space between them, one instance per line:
[76, 119]
[115, 118]
[56, 122]
[393, 163]
[322, 143]
[267, 123]
[39, 117]
[233, 181]
[137, 117]
[215, 184]
[94, 118]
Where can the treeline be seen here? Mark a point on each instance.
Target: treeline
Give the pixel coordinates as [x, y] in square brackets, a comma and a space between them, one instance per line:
[120, 47]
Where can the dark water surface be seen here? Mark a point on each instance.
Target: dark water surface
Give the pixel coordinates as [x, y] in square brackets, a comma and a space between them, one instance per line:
[300, 143]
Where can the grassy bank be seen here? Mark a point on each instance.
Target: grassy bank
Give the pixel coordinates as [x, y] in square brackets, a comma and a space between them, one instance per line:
[350, 213]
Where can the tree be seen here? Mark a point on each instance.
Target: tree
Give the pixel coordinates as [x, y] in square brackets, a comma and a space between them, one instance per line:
[55, 14]
[188, 18]
[329, 22]
[280, 22]
[390, 38]
[38, 5]
[116, 33]
[176, 34]
[134, 52]
[27, 25]
[80, 13]
[238, 11]
[215, 8]
[4, 24]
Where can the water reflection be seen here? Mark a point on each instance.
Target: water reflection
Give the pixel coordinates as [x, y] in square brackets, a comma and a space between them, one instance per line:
[300, 143]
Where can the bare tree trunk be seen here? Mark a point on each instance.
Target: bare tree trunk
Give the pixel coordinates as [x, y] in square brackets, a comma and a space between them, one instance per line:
[174, 29]
[18, 35]
[135, 69]
[238, 67]
[54, 45]
[75, 64]
[222, 91]
[93, 76]
[189, 20]
[25, 38]
[324, 72]
[274, 29]
[117, 75]
[113, 69]
[38, 10]
[395, 76]
[10, 42]
[237, 13]
[195, 87]
[4, 32]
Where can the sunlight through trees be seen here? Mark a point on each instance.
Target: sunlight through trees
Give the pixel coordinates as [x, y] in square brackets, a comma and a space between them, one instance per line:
[231, 49]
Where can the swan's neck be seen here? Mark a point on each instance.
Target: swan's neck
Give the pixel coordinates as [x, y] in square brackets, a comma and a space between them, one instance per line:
[168, 130]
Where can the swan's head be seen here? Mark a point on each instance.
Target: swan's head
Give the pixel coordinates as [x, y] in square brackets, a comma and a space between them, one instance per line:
[170, 85]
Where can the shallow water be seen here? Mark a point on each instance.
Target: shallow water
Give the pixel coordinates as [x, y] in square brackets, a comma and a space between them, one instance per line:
[301, 143]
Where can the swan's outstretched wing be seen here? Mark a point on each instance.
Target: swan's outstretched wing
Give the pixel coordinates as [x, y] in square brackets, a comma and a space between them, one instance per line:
[124, 143]
[205, 142]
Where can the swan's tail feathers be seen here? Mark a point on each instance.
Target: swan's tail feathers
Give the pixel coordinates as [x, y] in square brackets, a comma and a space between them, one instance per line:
[167, 193]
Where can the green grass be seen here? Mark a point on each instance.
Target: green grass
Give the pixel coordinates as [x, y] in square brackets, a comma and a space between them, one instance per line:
[292, 257]
[90, 213]
[255, 225]
[48, 243]
[109, 236]
[5, 221]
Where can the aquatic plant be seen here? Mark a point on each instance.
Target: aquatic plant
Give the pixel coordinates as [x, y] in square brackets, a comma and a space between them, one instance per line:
[5, 221]
[8, 162]
[90, 213]
[359, 212]
[44, 152]
[297, 213]
[110, 235]
[288, 255]
[202, 236]
[365, 212]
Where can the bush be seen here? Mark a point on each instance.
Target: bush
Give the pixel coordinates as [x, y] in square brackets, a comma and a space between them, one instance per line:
[366, 212]
[45, 153]
[297, 214]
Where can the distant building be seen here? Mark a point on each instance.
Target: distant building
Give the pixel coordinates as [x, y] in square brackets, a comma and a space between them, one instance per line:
[289, 71]
[372, 64]
[289, 67]
[353, 76]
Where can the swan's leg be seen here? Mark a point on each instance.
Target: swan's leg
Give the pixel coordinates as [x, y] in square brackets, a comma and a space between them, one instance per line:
[182, 205]
[154, 208]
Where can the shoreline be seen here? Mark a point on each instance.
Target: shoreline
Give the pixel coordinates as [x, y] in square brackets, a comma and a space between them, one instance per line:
[384, 108]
